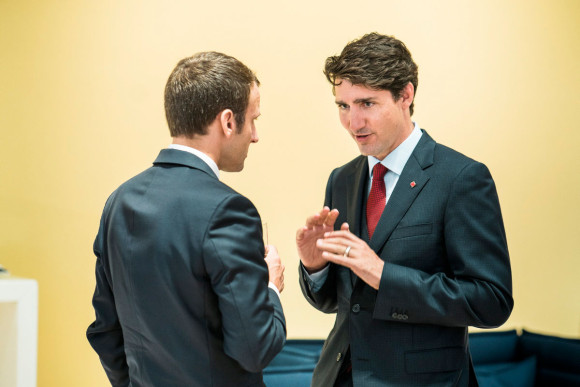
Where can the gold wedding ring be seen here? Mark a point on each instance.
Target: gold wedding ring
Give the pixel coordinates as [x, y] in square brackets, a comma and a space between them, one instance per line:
[346, 251]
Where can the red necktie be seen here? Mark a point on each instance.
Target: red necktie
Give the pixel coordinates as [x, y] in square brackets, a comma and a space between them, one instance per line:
[377, 198]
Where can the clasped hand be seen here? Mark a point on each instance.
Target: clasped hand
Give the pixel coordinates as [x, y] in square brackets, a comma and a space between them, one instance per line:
[275, 267]
[319, 244]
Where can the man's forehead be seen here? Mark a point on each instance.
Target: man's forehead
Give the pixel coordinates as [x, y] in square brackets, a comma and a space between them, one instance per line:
[254, 103]
[348, 90]
[255, 93]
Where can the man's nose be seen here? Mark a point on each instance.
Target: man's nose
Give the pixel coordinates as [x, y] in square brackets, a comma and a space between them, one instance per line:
[356, 120]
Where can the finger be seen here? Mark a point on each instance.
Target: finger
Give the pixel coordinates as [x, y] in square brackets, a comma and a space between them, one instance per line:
[318, 218]
[343, 239]
[340, 241]
[345, 227]
[338, 259]
[311, 220]
[346, 234]
[331, 246]
[323, 216]
[331, 218]
[339, 233]
[300, 233]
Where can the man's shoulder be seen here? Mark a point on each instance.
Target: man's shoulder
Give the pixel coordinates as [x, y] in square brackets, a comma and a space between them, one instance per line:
[444, 152]
[442, 155]
[178, 183]
[449, 164]
[352, 166]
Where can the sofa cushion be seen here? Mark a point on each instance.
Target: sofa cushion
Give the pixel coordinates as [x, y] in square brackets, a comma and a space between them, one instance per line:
[297, 355]
[509, 374]
[493, 347]
[558, 358]
[290, 379]
[294, 365]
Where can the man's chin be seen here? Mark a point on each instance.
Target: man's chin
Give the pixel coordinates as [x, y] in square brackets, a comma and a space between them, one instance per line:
[363, 151]
[234, 168]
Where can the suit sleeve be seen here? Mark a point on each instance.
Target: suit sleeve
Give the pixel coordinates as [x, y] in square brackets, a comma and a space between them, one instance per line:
[325, 298]
[253, 321]
[105, 334]
[477, 291]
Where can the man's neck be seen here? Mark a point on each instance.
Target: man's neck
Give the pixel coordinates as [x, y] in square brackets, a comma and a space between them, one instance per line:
[201, 143]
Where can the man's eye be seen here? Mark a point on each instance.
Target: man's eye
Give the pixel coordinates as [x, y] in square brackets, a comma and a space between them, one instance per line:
[342, 106]
[369, 104]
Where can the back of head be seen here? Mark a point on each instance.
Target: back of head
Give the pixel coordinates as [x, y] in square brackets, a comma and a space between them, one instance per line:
[202, 86]
[375, 61]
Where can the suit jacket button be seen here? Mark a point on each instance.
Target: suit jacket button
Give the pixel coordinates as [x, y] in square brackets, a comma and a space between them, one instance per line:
[339, 356]
[356, 308]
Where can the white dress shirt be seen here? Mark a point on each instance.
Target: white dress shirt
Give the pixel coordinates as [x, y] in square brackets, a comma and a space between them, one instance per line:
[208, 160]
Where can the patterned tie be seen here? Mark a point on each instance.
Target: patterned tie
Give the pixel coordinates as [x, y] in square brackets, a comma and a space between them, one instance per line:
[377, 198]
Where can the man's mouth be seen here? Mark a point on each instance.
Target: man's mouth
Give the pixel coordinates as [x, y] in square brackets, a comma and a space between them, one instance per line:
[361, 137]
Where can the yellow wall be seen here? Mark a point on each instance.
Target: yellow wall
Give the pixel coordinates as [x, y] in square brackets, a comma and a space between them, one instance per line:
[81, 85]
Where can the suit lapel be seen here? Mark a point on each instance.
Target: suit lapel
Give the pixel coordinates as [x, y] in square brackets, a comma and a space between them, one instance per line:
[355, 192]
[410, 183]
[412, 180]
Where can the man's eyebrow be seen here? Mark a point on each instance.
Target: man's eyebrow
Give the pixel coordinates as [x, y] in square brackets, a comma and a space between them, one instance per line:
[356, 101]
[364, 100]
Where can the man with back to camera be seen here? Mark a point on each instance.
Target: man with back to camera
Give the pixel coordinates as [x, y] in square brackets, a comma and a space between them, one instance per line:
[184, 296]
[410, 248]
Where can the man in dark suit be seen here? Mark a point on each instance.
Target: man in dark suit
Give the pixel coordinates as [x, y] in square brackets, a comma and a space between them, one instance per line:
[410, 248]
[184, 295]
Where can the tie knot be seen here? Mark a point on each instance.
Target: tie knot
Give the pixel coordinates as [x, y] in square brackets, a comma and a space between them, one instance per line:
[379, 171]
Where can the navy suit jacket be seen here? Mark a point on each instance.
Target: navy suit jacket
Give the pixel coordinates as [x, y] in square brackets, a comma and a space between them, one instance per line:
[182, 295]
[447, 267]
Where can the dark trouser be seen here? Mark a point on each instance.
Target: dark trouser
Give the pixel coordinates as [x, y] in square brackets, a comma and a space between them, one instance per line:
[344, 378]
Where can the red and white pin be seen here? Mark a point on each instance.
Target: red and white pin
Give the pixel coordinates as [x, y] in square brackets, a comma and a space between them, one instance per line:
[413, 184]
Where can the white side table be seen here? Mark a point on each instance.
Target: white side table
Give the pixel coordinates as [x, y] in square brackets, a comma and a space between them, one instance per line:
[18, 331]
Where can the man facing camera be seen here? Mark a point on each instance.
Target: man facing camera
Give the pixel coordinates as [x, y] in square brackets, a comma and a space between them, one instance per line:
[410, 248]
[184, 296]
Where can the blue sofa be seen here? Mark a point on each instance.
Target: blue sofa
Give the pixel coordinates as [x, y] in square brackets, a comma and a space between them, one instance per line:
[500, 358]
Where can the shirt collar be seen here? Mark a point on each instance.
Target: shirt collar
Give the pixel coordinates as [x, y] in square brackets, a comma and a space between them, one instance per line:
[396, 160]
[208, 160]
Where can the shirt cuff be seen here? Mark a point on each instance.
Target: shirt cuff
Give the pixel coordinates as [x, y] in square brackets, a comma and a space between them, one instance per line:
[316, 280]
[274, 288]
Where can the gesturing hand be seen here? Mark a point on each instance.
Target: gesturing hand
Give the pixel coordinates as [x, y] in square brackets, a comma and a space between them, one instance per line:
[306, 237]
[346, 249]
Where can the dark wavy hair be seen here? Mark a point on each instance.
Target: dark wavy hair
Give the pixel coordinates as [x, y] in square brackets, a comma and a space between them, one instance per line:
[375, 61]
[202, 86]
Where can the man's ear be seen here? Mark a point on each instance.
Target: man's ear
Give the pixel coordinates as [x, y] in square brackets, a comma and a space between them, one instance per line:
[228, 122]
[407, 95]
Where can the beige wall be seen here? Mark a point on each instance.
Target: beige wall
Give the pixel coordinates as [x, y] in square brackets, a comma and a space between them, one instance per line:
[81, 86]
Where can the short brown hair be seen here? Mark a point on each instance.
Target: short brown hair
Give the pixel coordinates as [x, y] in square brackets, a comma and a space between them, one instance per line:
[375, 61]
[202, 86]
